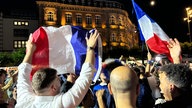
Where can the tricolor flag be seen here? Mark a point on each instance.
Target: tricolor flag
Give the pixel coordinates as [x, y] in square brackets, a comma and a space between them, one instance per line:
[63, 48]
[151, 32]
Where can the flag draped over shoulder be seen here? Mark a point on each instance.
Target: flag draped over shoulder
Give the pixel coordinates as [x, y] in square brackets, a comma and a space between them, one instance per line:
[151, 32]
[63, 49]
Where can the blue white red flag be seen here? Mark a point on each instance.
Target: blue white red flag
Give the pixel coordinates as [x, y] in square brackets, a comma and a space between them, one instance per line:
[151, 32]
[64, 49]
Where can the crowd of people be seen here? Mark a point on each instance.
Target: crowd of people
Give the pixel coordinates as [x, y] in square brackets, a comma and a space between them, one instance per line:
[156, 84]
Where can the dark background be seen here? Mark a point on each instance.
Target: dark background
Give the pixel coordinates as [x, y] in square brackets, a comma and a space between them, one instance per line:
[167, 13]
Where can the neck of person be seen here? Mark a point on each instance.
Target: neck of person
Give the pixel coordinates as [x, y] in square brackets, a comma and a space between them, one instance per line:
[45, 92]
[125, 100]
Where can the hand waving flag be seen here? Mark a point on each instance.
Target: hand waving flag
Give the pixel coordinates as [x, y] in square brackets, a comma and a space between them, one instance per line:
[64, 49]
[151, 32]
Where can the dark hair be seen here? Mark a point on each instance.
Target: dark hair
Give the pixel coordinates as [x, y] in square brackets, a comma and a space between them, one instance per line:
[43, 78]
[113, 65]
[2, 71]
[137, 70]
[179, 74]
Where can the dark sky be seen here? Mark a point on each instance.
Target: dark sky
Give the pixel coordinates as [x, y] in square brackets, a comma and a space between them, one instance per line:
[168, 14]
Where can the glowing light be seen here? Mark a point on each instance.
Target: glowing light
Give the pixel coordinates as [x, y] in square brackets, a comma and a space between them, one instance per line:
[152, 3]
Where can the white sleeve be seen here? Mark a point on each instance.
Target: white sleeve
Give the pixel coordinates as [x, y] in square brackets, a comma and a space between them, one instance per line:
[75, 95]
[24, 87]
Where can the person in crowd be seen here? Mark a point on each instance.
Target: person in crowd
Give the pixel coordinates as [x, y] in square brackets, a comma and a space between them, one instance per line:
[104, 77]
[44, 89]
[3, 93]
[175, 85]
[124, 86]
[144, 99]
[14, 92]
[101, 89]
[8, 83]
[175, 53]
[88, 100]
[151, 71]
[100, 94]
[175, 80]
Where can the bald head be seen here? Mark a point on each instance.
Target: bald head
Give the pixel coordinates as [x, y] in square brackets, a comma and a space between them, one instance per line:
[123, 79]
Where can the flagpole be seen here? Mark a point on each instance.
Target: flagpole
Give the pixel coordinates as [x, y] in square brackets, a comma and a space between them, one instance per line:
[142, 52]
[147, 47]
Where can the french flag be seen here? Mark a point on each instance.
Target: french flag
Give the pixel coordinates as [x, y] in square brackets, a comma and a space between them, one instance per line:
[151, 32]
[63, 48]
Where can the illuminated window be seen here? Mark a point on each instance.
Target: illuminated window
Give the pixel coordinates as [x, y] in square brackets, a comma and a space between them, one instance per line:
[120, 21]
[20, 23]
[20, 43]
[122, 38]
[68, 18]
[98, 19]
[26, 23]
[79, 19]
[113, 37]
[15, 44]
[88, 19]
[112, 20]
[15, 22]
[50, 16]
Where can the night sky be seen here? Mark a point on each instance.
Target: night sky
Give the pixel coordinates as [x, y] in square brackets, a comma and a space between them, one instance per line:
[168, 14]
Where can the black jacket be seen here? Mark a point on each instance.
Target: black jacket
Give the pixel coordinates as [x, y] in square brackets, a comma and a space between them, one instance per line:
[182, 101]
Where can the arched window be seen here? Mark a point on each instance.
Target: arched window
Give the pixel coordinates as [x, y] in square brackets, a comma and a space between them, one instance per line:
[120, 21]
[122, 39]
[50, 16]
[112, 20]
[113, 37]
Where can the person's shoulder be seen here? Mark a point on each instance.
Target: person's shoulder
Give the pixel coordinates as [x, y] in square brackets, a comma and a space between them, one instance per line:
[168, 104]
[175, 104]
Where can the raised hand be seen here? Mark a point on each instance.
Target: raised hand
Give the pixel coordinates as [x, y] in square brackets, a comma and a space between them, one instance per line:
[175, 50]
[92, 41]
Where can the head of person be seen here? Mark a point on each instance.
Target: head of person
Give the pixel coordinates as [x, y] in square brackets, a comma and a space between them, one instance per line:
[107, 66]
[175, 79]
[124, 80]
[3, 74]
[137, 70]
[104, 75]
[45, 81]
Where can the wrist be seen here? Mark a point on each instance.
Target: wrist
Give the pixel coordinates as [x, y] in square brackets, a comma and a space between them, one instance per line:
[150, 62]
[90, 48]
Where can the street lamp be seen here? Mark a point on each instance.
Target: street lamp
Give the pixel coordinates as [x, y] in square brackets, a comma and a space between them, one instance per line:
[189, 15]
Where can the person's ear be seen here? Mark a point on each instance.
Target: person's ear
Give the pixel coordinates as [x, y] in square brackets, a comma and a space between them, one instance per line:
[53, 88]
[109, 87]
[172, 88]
